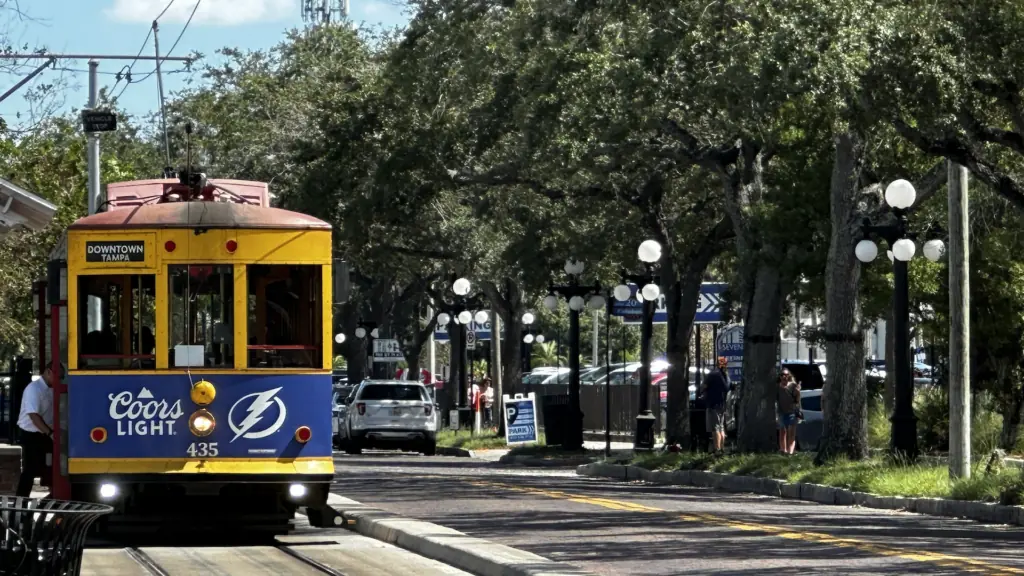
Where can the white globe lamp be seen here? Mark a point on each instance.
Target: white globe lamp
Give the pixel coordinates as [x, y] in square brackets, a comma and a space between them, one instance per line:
[443, 319]
[651, 292]
[596, 302]
[934, 249]
[649, 251]
[461, 287]
[903, 249]
[576, 303]
[551, 302]
[374, 333]
[866, 251]
[889, 254]
[900, 194]
[480, 317]
[465, 317]
[540, 338]
[622, 292]
[528, 338]
[360, 332]
[528, 318]
[339, 338]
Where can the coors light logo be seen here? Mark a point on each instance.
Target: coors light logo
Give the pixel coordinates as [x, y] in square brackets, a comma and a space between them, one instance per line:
[143, 415]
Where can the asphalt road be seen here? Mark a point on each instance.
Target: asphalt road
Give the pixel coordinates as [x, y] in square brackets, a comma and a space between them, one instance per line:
[613, 527]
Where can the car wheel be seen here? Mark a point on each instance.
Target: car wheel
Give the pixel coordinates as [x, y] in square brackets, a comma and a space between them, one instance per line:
[430, 448]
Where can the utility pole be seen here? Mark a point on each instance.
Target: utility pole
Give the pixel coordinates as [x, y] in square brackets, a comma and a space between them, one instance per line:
[960, 326]
[594, 340]
[496, 371]
[160, 87]
[95, 312]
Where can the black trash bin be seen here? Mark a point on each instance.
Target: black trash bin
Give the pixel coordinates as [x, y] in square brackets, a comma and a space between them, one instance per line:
[700, 440]
[44, 537]
[555, 409]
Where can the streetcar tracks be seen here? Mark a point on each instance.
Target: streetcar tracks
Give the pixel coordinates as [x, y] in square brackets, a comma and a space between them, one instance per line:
[146, 562]
[219, 559]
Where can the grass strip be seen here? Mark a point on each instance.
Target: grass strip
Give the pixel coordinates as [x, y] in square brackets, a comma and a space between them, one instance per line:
[875, 475]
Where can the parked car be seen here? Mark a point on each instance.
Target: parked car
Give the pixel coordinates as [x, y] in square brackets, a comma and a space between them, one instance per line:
[391, 414]
[339, 410]
[808, 432]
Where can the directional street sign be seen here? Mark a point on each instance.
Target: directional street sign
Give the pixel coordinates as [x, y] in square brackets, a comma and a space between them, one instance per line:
[483, 331]
[709, 306]
[730, 345]
[470, 340]
[99, 121]
[387, 350]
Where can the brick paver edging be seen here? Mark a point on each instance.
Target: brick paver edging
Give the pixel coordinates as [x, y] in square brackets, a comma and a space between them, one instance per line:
[980, 511]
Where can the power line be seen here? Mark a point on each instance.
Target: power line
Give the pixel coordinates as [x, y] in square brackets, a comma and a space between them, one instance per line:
[168, 7]
[189, 21]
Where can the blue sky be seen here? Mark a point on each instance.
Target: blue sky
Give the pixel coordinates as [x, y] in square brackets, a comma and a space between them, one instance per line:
[120, 26]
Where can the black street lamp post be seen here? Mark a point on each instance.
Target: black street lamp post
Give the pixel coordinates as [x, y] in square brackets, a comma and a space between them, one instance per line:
[369, 331]
[648, 292]
[578, 297]
[457, 308]
[900, 196]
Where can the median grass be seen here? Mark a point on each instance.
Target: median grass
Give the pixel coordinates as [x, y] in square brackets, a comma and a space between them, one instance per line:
[876, 475]
[486, 440]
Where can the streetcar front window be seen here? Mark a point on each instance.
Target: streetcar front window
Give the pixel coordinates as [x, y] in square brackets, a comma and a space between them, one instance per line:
[202, 311]
[116, 321]
[285, 317]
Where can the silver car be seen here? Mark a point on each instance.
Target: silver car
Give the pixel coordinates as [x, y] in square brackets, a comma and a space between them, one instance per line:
[391, 414]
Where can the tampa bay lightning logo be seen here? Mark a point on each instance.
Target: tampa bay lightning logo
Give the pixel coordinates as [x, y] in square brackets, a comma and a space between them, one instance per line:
[254, 414]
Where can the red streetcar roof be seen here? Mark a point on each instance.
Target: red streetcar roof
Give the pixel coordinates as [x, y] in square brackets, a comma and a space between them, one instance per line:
[199, 214]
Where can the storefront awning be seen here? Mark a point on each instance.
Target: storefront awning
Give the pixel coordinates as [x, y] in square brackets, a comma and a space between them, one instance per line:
[19, 208]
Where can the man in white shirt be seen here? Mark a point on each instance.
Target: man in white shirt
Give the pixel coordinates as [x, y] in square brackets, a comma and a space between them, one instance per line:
[36, 423]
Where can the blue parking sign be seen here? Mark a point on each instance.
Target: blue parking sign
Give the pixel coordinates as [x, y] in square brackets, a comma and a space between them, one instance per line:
[520, 418]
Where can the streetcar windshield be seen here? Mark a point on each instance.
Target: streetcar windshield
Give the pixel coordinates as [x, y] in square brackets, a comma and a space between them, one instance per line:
[285, 317]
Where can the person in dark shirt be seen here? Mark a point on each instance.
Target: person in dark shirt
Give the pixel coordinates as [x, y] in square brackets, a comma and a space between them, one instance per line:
[716, 388]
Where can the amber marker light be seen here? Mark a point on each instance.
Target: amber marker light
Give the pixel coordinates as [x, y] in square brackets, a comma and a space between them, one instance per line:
[201, 423]
[303, 434]
[203, 393]
[98, 435]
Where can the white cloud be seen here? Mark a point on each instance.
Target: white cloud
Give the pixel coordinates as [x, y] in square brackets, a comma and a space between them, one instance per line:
[213, 12]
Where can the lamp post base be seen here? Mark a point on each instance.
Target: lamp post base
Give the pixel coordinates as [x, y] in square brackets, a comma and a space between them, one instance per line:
[644, 439]
[904, 436]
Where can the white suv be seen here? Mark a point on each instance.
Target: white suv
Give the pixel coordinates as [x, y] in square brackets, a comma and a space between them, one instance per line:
[391, 414]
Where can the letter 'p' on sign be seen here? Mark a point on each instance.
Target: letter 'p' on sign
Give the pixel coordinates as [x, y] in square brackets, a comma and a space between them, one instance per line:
[116, 251]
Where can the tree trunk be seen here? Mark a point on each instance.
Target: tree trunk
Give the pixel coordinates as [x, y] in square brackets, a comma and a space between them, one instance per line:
[762, 321]
[845, 395]
[509, 304]
[682, 292]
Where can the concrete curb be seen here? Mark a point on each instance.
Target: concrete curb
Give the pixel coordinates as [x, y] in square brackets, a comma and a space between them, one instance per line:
[979, 511]
[536, 462]
[451, 451]
[474, 555]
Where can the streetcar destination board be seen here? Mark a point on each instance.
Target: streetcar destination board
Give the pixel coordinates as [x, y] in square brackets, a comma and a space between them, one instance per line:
[117, 251]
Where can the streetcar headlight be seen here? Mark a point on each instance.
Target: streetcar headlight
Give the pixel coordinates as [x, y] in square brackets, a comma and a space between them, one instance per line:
[108, 491]
[201, 423]
[297, 491]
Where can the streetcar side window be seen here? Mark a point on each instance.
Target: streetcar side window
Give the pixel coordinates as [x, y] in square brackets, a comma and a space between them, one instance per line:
[202, 312]
[285, 317]
[116, 322]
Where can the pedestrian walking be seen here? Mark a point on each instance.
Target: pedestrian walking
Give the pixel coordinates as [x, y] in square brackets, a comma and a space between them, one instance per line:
[788, 402]
[36, 423]
[715, 389]
[487, 401]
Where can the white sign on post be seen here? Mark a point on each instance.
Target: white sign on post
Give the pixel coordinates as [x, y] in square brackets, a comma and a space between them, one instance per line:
[470, 340]
[387, 350]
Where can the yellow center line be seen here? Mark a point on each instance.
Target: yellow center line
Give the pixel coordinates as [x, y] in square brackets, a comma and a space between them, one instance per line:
[945, 560]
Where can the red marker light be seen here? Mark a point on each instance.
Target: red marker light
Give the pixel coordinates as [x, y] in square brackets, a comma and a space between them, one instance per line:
[98, 435]
[303, 434]
[362, 408]
[231, 246]
[427, 409]
[170, 245]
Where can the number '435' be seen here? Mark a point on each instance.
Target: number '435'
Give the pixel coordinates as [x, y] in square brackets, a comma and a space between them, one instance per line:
[202, 449]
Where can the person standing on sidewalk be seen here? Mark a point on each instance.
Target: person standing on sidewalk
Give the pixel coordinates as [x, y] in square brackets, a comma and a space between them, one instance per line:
[788, 402]
[36, 422]
[716, 388]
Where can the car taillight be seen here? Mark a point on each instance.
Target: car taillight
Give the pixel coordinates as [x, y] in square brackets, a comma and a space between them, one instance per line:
[362, 408]
[427, 409]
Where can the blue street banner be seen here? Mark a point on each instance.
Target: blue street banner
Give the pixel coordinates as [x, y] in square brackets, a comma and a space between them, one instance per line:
[709, 306]
[730, 346]
[520, 418]
[483, 331]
